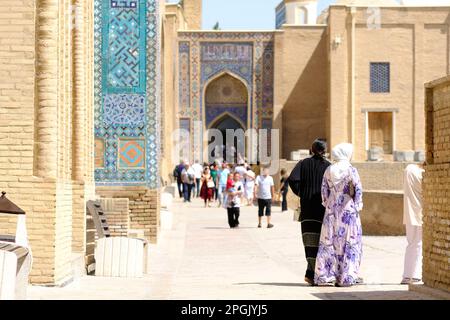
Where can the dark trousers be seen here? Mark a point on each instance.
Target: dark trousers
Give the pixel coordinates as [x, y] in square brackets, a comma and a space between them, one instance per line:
[187, 190]
[233, 217]
[284, 205]
[180, 188]
[197, 181]
[264, 204]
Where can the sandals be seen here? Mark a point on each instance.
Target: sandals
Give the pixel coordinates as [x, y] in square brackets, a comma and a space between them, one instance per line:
[411, 281]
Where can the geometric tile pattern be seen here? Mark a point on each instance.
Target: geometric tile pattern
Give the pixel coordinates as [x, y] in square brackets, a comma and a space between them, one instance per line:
[380, 77]
[123, 45]
[127, 111]
[184, 75]
[131, 153]
[268, 76]
[124, 109]
[214, 113]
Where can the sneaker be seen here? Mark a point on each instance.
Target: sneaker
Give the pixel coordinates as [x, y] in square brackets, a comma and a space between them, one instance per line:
[259, 225]
[270, 225]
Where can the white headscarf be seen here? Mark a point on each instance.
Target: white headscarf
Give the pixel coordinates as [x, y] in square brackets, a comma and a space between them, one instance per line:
[341, 154]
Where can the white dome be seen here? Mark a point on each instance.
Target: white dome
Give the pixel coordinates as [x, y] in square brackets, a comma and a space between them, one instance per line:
[368, 3]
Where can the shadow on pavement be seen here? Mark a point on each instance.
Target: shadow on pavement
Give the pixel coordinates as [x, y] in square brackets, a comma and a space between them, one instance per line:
[276, 284]
[369, 295]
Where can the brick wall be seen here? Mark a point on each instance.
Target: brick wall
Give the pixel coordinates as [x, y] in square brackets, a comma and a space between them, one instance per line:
[117, 213]
[436, 228]
[144, 207]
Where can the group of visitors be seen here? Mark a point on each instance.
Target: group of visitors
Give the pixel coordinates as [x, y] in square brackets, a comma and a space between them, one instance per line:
[231, 187]
[330, 206]
[209, 181]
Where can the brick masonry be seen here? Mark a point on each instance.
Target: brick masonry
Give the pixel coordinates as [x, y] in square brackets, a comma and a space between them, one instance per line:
[117, 213]
[436, 233]
[144, 206]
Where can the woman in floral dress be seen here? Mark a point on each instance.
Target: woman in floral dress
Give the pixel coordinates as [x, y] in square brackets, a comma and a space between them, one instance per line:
[340, 248]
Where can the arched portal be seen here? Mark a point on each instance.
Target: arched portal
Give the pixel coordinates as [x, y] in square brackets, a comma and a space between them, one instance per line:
[226, 108]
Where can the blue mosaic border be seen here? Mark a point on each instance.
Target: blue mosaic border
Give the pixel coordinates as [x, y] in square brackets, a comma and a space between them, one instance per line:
[111, 175]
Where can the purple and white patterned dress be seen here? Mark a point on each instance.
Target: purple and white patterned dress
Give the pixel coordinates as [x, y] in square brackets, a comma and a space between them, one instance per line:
[340, 248]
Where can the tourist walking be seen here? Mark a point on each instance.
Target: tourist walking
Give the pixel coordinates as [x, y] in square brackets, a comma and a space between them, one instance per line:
[214, 174]
[412, 218]
[242, 170]
[177, 175]
[306, 182]
[249, 186]
[198, 169]
[188, 179]
[234, 193]
[207, 190]
[340, 248]
[284, 188]
[264, 191]
[222, 183]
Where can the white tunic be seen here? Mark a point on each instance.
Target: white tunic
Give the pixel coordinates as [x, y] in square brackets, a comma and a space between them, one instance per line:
[412, 201]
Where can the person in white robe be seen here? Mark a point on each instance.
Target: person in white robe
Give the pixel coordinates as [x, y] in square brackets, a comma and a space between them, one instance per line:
[412, 219]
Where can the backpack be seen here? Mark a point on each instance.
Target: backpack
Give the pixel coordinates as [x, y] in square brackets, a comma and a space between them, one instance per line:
[175, 172]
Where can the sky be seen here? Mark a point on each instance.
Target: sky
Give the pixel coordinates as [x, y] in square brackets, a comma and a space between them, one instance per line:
[243, 14]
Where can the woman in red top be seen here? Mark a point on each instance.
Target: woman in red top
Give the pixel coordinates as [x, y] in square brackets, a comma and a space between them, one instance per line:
[208, 186]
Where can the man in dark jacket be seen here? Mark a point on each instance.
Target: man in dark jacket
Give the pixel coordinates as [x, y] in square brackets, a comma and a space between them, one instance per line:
[306, 182]
[177, 175]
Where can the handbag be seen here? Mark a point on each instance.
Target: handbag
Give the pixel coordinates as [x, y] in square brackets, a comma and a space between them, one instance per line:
[351, 188]
[210, 184]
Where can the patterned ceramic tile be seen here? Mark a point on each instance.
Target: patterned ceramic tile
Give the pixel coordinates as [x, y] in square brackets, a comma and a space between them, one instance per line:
[131, 153]
[124, 109]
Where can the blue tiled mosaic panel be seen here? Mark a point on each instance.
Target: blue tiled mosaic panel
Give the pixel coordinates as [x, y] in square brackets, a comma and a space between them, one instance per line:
[184, 74]
[126, 117]
[214, 112]
[124, 48]
[380, 77]
[219, 56]
[124, 109]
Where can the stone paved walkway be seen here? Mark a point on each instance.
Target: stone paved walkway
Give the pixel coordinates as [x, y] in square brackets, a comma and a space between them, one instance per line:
[201, 258]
